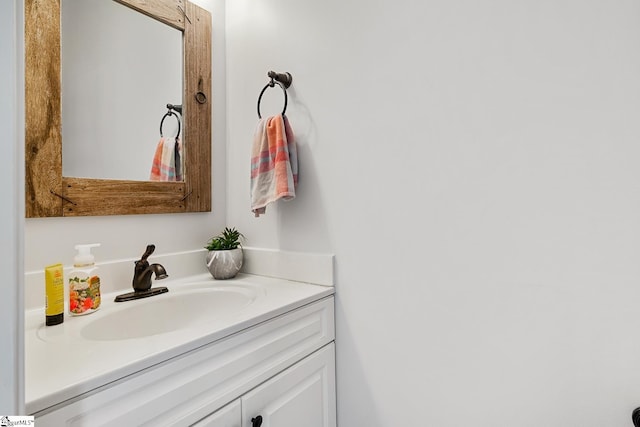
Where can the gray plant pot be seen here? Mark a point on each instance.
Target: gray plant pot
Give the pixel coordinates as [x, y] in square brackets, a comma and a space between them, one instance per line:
[224, 264]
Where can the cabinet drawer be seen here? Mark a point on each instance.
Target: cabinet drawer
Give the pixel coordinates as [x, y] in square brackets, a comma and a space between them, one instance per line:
[229, 416]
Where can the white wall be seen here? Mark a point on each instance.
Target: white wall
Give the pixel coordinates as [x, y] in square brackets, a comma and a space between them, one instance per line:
[473, 166]
[51, 240]
[11, 210]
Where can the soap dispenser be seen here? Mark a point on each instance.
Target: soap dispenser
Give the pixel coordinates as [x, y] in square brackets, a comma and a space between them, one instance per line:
[84, 282]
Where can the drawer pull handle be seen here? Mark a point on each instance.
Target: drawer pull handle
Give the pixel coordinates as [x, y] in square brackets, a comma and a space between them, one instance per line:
[257, 421]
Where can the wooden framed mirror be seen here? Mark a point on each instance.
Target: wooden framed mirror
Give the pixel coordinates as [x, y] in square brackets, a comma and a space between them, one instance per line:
[48, 192]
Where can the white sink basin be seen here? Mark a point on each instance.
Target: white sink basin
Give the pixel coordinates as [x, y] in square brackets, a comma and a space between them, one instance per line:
[167, 312]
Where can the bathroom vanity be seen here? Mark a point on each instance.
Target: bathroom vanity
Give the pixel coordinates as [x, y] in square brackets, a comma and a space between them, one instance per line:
[249, 351]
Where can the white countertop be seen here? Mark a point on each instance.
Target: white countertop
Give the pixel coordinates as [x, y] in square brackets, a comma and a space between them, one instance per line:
[60, 364]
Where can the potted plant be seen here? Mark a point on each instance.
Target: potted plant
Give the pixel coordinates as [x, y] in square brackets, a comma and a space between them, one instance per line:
[224, 258]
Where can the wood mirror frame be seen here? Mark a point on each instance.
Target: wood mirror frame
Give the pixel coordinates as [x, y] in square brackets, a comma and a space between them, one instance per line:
[48, 193]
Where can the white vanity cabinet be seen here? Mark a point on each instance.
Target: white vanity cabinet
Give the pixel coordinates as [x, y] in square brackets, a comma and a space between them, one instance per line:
[282, 369]
[302, 395]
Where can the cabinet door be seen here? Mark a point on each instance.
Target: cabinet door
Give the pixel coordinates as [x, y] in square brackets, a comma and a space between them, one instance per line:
[302, 395]
[229, 416]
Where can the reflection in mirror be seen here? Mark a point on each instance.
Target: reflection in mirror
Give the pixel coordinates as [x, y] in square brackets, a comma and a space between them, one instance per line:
[120, 69]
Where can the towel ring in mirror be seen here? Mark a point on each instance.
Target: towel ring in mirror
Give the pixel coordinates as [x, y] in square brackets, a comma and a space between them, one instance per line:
[168, 114]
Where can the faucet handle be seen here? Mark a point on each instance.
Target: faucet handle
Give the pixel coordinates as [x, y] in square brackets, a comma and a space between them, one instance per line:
[148, 252]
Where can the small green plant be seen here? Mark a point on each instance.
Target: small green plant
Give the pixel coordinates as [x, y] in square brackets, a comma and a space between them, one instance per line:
[227, 240]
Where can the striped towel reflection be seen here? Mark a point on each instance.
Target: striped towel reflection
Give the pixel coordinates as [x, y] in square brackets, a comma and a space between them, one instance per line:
[167, 161]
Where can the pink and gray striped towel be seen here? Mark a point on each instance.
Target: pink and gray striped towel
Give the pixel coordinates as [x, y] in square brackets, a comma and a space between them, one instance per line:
[274, 163]
[167, 163]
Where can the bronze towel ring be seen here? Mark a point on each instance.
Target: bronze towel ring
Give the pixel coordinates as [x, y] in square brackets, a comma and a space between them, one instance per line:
[169, 113]
[281, 79]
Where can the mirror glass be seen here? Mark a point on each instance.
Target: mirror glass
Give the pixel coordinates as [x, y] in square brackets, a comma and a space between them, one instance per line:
[120, 69]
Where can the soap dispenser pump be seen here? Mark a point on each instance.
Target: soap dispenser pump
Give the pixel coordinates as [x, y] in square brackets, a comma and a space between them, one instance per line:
[84, 282]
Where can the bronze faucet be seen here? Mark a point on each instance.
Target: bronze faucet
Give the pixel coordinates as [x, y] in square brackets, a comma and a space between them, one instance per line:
[142, 278]
[142, 271]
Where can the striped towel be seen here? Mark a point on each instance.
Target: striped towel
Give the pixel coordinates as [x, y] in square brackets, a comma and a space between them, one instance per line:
[274, 163]
[167, 162]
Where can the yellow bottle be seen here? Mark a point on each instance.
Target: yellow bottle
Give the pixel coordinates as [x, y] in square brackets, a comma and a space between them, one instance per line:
[54, 302]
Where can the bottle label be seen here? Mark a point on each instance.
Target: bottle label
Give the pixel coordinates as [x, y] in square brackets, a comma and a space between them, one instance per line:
[84, 294]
